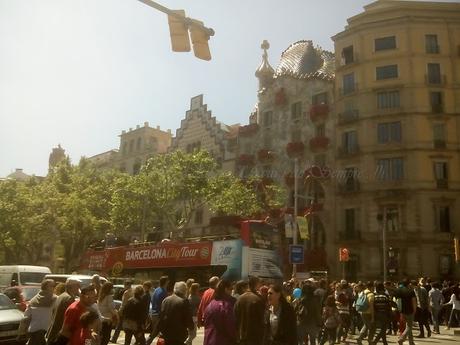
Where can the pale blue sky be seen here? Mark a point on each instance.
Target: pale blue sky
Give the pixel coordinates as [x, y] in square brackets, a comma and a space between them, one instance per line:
[77, 72]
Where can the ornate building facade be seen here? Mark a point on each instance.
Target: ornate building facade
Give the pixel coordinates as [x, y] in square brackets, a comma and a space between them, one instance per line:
[397, 132]
[291, 127]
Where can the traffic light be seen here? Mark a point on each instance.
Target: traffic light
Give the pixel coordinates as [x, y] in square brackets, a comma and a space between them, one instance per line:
[180, 40]
[344, 255]
[200, 40]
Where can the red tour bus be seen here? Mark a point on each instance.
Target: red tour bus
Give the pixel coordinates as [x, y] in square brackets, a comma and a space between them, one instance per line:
[253, 252]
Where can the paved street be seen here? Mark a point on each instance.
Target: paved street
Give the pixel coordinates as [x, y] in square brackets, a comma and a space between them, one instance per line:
[447, 338]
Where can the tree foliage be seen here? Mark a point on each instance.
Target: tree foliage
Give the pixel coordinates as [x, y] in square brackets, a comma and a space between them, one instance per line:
[76, 204]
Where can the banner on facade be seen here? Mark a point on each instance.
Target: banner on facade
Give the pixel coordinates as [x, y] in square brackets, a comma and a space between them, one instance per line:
[302, 224]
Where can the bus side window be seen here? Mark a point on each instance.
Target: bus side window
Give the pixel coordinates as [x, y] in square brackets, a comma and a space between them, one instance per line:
[14, 279]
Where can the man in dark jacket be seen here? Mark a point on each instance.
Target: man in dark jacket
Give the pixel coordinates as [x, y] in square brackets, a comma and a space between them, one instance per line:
[63, 301]
[250, 312]
[176, 316]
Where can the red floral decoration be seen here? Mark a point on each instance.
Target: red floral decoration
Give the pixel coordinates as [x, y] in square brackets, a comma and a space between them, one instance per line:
[319, 111]
[265, 155]
[295, 148]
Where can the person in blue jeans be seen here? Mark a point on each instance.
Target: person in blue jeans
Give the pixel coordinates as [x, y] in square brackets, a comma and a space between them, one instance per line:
[158, 296]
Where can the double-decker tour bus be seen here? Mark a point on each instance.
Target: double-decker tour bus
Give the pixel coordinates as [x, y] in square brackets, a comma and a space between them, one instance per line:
[253, 251]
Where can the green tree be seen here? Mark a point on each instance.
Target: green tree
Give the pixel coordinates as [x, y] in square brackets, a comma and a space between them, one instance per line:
[79, 202]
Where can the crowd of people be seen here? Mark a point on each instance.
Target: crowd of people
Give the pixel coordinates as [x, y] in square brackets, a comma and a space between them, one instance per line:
[249, 312]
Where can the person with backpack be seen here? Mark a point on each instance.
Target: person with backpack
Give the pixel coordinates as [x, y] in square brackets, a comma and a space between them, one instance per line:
[365, 307]
[331, 321]
[408, 308]
[343, 296]
[308, 314]
[382, 312]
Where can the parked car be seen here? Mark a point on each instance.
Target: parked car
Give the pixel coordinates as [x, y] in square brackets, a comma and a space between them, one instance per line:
[84, 280]
[11, 275]
[10, 318]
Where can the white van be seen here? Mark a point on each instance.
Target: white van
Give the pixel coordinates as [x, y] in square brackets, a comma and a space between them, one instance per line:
[22, 275]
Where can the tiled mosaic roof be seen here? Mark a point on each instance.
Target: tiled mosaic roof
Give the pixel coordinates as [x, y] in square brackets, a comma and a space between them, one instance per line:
[304, 61]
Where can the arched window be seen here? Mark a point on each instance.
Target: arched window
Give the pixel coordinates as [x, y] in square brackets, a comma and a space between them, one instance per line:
[131, 145]
[138, 144]
[125, 148]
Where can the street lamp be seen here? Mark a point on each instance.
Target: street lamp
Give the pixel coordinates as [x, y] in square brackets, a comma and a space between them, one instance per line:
[383, 226]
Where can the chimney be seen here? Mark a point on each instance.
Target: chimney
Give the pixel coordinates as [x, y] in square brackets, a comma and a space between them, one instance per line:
[123, 132]
[137, 126]
[18, 170]
[158, 127]
[169, 131]
[130, 129]
[146, 124]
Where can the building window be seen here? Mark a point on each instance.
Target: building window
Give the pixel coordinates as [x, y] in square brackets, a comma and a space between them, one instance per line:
[136, 168]
[385, 43]
[351, 230]
[436, 102]
[439, 135]
[390, 169]
[125, 148]
[386, 72]
[198, 216]
[267, 118]
[348, 83]
[267, 142]
[320, 98]
[388, 100]
[434, 73]
[392, 218]
[138, 144]
[389, 132]
[440, 172]
[347, 55]
[431, 44]
[442, 218]
[351, 179]
[296, 110]
[131, 145]
[350, 142]
[320, 130]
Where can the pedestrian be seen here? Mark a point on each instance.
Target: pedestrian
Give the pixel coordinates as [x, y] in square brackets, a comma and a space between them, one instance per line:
[408, 308]
[157, 298]
[281, 327]
[71, 328]
[134, 317]
[365, 307]
[96, 281]
[63, 301]
[146, 302]
[250, 315]
[382, 312]
[331, 320]
[422, 314]
[89, 322]
[59, 289]
[126, 295]
[436, 300]
[176, 321]
[206, 299]
[219, 317]
[194, 300]
[343, 296]
[38, 312]
[455, 302]
[107, 310]
[308, 312]
[240, 288]
[189, 283]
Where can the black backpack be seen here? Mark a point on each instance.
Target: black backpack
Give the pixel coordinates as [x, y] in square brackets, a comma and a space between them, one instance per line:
[382, 304]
